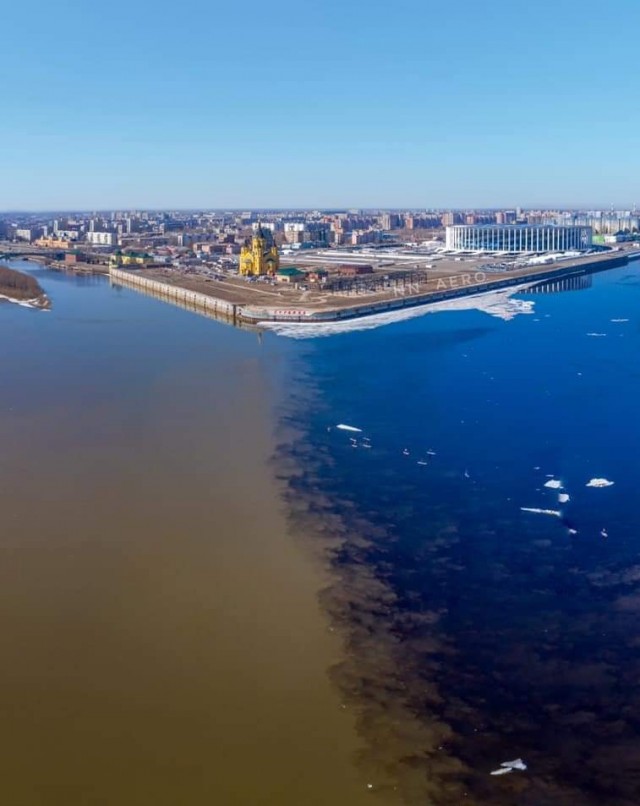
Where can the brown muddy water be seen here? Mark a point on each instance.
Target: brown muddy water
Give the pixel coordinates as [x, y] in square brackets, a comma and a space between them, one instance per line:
[162, 637]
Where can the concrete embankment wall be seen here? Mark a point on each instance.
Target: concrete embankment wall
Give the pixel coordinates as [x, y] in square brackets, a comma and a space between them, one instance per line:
[173, 293]
[355, 311]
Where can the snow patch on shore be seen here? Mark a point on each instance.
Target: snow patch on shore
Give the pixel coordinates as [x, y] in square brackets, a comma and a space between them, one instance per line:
[499, 304]
[25, 303]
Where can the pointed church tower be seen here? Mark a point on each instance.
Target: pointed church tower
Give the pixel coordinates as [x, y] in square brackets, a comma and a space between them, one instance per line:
[261, 256]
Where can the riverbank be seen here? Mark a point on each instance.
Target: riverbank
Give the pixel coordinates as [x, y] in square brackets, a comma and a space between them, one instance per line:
[22, 289]
[234, 301]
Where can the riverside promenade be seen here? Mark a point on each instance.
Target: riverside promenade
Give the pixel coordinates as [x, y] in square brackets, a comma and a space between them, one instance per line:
[229, 305]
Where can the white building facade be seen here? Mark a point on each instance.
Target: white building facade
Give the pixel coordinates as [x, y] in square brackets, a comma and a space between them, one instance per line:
[102, 238]
[518, 238]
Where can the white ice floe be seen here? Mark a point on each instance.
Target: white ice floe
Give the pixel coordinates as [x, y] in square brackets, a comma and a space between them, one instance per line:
[510, 766]
[344, 427]
[24, 303]
[604, 533]
[600, 483]
[619, 320]
[596, 334]
[554, 512]
[554, 484]
[563, 498]
[421, 462]
[573, 531]
[500, 304]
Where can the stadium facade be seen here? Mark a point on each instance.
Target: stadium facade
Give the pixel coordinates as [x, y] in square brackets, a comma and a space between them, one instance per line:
[518, 238]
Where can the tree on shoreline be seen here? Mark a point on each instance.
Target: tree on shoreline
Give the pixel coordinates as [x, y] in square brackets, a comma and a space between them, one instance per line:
[18, 285]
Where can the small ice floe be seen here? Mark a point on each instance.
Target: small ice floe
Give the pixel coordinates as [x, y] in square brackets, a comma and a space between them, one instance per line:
[554, 484]
[406, 452]
[431, 452]
[554, 512]
[537, 467]
[573, 531]
[421, 462]
[510, 766]
[617, 321]
[600, 483]
[596, 334]
[344, 427]
[466, 474]
[604, 533]
[366, 445]
[563, 498]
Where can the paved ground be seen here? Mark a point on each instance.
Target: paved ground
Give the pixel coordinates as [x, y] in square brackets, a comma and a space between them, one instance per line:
[446, 274]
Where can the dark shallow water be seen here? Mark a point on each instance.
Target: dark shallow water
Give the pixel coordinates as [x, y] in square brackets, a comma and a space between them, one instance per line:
[478, 633]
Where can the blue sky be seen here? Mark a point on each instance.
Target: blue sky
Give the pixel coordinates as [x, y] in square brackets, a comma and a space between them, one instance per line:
[376, 104]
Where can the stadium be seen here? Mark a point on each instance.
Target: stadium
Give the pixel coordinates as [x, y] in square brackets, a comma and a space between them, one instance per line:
[518, 238]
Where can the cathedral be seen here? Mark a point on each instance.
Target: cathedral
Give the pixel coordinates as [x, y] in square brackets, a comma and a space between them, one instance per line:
[261, 256]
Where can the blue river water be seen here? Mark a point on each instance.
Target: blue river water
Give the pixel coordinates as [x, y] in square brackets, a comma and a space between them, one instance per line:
[479, 632]
[475, 632]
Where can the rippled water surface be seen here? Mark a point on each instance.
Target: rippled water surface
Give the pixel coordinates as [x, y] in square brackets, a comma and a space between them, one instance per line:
[162, 641]
[480, 633]
[195, 610]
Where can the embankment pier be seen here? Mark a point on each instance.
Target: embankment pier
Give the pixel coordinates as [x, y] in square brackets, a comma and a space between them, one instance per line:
[462, 284]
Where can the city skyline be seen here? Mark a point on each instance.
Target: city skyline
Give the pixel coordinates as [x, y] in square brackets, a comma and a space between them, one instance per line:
[292, 107]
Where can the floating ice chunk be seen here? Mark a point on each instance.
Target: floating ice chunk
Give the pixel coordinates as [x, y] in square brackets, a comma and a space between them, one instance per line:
[516, 764]
[604, 533]
[600, 483]
[466, 474]
[573, 531]
[554, 512]
[344, 427]
[554, 484]
[596, 334]
[421, 462]
[406, 451]
[619, 320]
[431, 452]
[563, 498]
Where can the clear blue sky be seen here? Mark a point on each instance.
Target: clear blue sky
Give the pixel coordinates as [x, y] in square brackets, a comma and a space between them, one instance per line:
[230, 104]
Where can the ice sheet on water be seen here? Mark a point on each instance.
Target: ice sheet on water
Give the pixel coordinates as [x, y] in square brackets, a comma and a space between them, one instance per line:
[554, 484]
[500, 304]
[563, 498]
[600, 483]
[344, 427]
[537, 511]
[510, 766]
